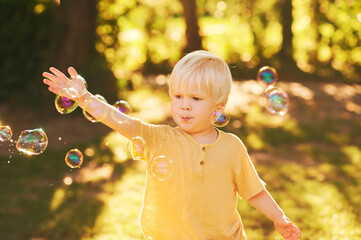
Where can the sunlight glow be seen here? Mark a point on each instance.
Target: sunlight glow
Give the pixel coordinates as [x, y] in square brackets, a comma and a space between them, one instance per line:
[359, 17]
[215, 29]
[94, 173]
[68, 180]
[131, 35]
[58, 199]
[299, 90]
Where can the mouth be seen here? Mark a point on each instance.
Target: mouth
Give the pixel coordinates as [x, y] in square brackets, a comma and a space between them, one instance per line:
[185, 119]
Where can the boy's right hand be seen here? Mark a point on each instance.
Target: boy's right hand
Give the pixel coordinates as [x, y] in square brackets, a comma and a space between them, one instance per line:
[61, 85]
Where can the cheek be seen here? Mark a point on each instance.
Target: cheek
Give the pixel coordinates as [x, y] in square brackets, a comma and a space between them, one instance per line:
[173, 107]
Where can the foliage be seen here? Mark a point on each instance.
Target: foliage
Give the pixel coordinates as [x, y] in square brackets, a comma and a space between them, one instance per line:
[247, 34]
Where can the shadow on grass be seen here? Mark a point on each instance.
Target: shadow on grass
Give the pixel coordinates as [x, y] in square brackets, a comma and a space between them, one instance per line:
[38, 203]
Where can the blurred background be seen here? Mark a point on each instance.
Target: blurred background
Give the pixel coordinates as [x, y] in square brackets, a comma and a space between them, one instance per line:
[125, 49]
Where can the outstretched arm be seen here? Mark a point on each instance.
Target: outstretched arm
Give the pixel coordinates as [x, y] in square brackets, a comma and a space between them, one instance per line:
[264, 202]
[75, 89]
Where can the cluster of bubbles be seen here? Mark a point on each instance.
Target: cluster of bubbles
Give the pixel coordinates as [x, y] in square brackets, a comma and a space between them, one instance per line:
[35, 141]
[30, 142]
[275, 99]
[64, 105]
[160, 167]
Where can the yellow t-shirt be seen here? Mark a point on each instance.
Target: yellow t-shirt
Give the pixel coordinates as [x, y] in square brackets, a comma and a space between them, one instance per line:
[199, 200]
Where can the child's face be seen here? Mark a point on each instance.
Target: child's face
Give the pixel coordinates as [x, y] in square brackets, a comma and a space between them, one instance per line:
[191, 110]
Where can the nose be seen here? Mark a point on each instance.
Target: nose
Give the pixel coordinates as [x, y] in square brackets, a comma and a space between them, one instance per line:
[185, 105]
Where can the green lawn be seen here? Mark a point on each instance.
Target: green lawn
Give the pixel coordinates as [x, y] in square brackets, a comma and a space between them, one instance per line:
[310, 159]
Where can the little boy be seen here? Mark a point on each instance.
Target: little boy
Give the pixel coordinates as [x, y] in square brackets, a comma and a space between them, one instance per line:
[211, 167]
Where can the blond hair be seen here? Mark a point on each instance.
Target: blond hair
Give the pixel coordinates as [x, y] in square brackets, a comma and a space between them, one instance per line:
[202, 68]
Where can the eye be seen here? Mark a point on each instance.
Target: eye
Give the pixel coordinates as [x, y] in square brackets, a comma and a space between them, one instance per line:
[196, 99]
[178, 96]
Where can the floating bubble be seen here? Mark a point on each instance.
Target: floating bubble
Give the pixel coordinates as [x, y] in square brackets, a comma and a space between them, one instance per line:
[276, 100]
[138, 148]
[65, 105]
[5, 133]
[81, 78]
[161, 168]
[95, 108]
[220, 117]
[73, 88]
[32, 142]
[74, 158]
[267, 75]
[123, 106]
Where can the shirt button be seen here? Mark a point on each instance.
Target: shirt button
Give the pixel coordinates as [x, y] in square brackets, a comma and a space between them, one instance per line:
[203, 148]
[202, 162]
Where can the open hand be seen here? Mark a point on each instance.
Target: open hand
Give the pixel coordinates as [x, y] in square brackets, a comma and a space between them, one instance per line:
[286, 228]
[61, 85]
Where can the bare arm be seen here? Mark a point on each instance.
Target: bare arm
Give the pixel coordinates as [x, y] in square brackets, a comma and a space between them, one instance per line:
[264, 203]
[75, 89]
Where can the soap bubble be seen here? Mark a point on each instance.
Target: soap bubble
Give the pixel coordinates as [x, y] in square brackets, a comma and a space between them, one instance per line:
[123, 106]
[81, 78]
[220, 117]
[138, 148]
[267, 75]
[74, 89]
[276, 100]
[5, 133]
[65, 105]
[161, 168]
[32, 142]
[95, 108]
[74, 158]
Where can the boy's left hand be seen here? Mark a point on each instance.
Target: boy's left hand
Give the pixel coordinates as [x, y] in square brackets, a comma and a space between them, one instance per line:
[286, 228]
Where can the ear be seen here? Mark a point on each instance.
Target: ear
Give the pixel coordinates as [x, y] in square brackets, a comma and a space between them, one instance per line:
[222, 104]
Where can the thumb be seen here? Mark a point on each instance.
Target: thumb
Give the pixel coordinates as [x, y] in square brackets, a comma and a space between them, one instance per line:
[72, 72]
[284, 221]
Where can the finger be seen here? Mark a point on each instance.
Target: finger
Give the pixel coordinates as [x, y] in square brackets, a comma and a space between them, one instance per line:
[72, 72]
[58, 73]
[53, 90]
[52, 77]
[49, 83]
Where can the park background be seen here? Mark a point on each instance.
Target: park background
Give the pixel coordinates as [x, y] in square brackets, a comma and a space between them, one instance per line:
[125, 49]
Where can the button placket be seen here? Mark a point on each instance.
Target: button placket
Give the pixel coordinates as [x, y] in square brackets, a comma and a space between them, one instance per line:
[202, 160]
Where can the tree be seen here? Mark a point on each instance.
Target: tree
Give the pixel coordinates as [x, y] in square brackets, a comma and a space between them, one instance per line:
[74, 45]
[193, 39]
[286, 51]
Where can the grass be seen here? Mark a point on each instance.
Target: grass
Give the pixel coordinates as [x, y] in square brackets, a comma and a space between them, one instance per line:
[310, 159]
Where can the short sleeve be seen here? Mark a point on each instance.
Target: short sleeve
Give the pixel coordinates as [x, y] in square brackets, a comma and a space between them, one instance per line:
[153, 135]
[248, 183]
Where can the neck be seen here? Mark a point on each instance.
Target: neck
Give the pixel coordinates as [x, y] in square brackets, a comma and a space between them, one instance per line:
[208, 137]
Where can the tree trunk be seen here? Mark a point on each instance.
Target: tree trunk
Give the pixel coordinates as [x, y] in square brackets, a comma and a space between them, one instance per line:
[193, 39]
[286, 51]
[76, 35]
